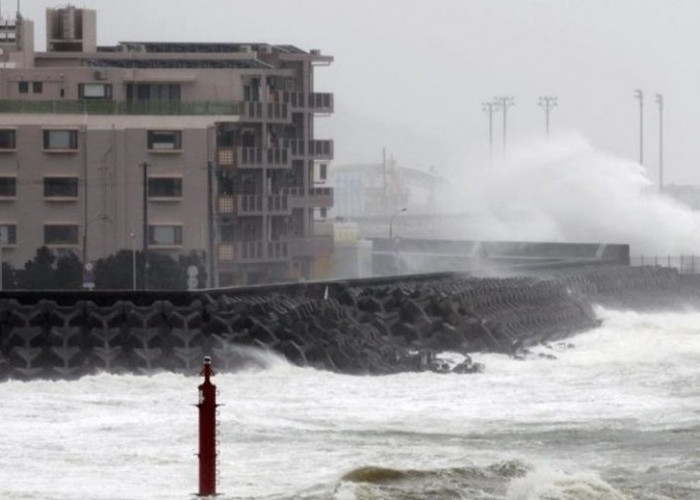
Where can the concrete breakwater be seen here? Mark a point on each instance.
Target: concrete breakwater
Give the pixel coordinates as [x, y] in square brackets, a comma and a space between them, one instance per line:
[374, 326]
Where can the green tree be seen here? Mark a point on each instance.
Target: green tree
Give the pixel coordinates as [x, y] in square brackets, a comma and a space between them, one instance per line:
[115, 272]
[164, 273]
[38, 272]
[69, 272]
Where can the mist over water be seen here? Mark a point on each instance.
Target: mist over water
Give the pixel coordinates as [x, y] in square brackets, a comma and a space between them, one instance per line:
[568, 191]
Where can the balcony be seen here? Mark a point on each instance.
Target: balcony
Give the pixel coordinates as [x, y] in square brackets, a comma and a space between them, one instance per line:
[253, 251]
[321, 102]
[254, 111]
[317, 102]
[316, 149]
[311, 246]
[253, 204]
[108, 107]
[321, 149]
[315, 198]
[254, 157]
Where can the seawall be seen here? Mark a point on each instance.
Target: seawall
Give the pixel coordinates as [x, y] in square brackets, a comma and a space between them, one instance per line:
[377, 326]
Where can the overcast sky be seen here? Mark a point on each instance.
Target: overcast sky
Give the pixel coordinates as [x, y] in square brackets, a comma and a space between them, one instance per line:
[411, 75]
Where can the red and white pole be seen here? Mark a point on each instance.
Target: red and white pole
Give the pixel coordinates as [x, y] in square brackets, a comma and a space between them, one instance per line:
[207, 432]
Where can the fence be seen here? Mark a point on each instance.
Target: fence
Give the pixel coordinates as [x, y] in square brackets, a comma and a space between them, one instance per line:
[685, 264]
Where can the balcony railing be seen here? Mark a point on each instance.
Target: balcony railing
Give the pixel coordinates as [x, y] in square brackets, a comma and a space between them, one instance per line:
[317, 149]
[99, 107]
[321, 149]
[253, 204]
[314, 198]
[321, 102]
[254, 157]
[318, 102]
[270, 111]
[253, 251]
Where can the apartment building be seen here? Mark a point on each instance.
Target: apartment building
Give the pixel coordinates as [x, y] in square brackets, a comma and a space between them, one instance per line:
[168, 146]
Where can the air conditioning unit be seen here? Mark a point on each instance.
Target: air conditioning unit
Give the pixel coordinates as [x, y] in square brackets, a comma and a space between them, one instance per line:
[246, 48]
[315, 52]
[100, 74]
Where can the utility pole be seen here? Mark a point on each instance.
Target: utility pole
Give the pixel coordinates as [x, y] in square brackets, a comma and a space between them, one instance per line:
[144, 165]
[504, 102]
[547, 103]
[660, 101]
[638, 94]
[489, 108]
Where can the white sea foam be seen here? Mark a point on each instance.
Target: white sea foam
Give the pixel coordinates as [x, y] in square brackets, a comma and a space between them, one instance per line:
[284, 429]
[548, 483]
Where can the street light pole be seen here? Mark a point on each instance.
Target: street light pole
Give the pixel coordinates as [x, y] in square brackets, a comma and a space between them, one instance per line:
[660, 101]
[504, 102]
[638, 94]
[133, 260]
[391, 221]
[489, 108]
[145, 225]
[547, 103]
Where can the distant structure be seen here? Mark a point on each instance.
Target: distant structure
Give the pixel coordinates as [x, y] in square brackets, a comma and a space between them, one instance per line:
[219, 136]
[380, 189]
[689, 195]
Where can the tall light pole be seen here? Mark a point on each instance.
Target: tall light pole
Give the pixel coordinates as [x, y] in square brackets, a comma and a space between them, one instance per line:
[489, 108]
[133, 260]
[547, 103]
[391, 221]
[660, 101]
[638, 94]
[145, 225]
[504, 102]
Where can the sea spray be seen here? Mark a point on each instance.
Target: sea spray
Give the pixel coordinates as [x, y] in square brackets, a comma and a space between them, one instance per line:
[568, 191]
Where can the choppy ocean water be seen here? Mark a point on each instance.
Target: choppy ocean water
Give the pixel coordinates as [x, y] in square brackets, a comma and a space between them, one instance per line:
[615, 415]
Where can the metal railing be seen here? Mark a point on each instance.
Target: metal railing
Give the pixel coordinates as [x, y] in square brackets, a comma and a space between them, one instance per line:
[685, 264]
[242, 251]
[107, 107]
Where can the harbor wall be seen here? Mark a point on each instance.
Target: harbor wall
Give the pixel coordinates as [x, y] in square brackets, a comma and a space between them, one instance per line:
[363, 326]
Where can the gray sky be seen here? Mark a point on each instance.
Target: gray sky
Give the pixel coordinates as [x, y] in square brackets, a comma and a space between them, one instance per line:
[411, 75]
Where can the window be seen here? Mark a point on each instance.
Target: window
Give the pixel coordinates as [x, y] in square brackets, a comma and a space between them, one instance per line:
[164, 140]
[165, 235]
[61, 139]
[60, 187]
[8, 187]
[8, 234]
[37, 87]
[165, 187]
[61, 234]
[7, 139]
[23, 87]
[95, 91]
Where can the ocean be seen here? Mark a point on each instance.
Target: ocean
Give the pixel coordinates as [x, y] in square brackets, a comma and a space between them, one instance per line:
[613, 413]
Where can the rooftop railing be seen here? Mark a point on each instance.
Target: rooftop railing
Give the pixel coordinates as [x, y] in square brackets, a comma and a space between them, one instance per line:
[105, 107]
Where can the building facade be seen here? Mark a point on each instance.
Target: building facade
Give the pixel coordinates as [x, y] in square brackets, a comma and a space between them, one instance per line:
[175, 147]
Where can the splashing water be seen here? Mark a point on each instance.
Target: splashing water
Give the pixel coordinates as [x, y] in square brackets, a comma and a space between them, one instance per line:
[567, 191]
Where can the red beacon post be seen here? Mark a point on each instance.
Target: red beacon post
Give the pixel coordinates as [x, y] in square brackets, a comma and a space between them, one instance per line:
[207, 432]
